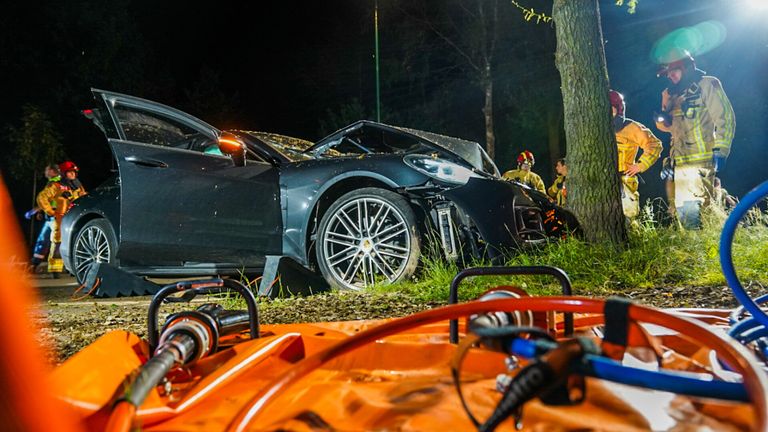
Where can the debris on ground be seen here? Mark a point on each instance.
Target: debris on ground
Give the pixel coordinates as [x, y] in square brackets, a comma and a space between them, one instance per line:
[68, 326]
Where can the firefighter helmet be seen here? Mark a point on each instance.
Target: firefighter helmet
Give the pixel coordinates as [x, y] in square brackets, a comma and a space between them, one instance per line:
[686, 63]
[617, 101]
[67, 166]
[525, 157]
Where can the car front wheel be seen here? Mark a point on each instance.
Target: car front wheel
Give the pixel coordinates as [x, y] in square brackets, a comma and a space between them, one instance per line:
[368, 236]
[95, 242]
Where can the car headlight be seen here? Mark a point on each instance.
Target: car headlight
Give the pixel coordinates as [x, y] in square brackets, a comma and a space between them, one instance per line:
[440, 169]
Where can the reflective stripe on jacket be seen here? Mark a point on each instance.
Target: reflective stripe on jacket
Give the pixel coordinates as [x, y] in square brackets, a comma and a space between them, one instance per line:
[702, 120]
[632, 137]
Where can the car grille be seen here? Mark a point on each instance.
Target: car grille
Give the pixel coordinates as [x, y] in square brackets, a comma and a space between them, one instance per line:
[530, 225]
[446, 230]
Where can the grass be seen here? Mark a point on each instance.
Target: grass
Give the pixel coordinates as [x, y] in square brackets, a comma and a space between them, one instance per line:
[655, 256]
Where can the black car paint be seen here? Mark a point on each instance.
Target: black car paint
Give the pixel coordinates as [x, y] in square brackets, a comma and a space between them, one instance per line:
[196, 207]
[101, 202]
[491, 205]
[181, 212]
[304, 183]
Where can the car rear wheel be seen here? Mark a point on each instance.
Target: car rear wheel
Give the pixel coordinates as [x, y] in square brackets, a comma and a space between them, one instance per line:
[367, 237]
[95, 242]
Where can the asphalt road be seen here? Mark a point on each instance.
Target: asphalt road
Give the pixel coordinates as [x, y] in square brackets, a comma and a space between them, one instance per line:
[54, 289]
[62, 292]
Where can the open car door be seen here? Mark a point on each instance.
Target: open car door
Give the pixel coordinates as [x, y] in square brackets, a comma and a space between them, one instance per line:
[183, 203]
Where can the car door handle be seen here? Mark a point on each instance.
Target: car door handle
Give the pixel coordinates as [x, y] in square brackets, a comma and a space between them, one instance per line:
[151, 163]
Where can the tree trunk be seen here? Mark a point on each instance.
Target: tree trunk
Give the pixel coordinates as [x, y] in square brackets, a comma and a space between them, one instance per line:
[490, 137]
[593, 181]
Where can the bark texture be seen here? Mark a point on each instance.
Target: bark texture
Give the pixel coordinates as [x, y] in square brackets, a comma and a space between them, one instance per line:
[594, 192]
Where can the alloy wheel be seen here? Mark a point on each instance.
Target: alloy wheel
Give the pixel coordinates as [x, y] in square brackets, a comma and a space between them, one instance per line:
[92, 246]
[367, 242]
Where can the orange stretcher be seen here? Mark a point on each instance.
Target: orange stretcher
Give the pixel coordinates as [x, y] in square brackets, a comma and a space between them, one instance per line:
[397, 375]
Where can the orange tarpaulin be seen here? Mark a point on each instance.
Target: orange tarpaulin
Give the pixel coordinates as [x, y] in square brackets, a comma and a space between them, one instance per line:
[26, 403]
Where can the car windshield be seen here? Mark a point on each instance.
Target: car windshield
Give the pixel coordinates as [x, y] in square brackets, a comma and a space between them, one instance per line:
[289, 147]
[372, 140]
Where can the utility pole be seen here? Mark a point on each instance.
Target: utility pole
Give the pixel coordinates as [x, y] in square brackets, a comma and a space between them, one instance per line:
[376, 57]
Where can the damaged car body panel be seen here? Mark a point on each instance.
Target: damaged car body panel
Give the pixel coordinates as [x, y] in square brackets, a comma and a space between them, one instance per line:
[356, 205]
[467, 151]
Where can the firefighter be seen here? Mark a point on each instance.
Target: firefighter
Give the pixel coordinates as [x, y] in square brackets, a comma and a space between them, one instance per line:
[557, 191]
[43, 243]
[698, 114]
[523, 173]
[69, 179]
[631, 136]
[55, 200]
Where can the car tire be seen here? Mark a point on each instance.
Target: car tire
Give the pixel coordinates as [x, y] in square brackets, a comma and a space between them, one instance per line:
[95, 242]
[368, 236]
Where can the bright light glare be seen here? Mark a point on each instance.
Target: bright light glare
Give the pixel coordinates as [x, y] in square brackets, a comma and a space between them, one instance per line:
[761, 5]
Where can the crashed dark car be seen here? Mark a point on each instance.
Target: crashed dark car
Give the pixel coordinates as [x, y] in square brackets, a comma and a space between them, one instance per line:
[358, 206]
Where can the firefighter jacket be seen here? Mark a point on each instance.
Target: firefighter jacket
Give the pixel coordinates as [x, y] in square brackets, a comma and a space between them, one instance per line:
[528, 178]
[48, 197]
[632, 137]
[702, 120]
[557, 191]
[57, 196]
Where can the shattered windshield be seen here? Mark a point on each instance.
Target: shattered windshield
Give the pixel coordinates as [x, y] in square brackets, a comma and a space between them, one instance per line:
[371, 140]
[290, 147]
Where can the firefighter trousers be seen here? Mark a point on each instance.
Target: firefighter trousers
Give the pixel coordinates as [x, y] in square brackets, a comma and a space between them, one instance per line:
[55, 263]
[693, 191]
[630, 197]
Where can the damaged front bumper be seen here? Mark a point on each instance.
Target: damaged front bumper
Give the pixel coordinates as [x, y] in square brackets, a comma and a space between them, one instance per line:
[485, 218]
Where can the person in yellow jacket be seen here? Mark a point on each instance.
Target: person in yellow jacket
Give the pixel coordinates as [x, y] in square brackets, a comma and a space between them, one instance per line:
[523, 173]
[558, 191]
[51, 202]
[55, 200]
[698, 114]
[631, 137]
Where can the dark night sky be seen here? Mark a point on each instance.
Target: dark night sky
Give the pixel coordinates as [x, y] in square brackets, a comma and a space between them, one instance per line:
[280, 66]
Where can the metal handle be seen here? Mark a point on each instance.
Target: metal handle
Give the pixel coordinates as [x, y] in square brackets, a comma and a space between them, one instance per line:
[207, 286]
[559, 274]
[150, 163]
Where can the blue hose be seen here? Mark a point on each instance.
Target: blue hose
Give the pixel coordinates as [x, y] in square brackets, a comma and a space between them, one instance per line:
[753, 335]
[736, 313]
[744, 325]
[726, 258]
[665, 381]
[610, 370]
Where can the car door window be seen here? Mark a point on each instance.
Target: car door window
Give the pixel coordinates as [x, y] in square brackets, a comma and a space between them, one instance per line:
[149, 127]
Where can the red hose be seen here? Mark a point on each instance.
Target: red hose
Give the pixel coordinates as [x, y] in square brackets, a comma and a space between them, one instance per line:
[122, 417]
[735, 355]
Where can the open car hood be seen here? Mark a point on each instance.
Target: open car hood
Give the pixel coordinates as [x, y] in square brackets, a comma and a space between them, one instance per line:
[469, 151]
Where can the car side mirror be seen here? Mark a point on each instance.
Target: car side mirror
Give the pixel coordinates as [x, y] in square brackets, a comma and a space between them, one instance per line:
[234, 148]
